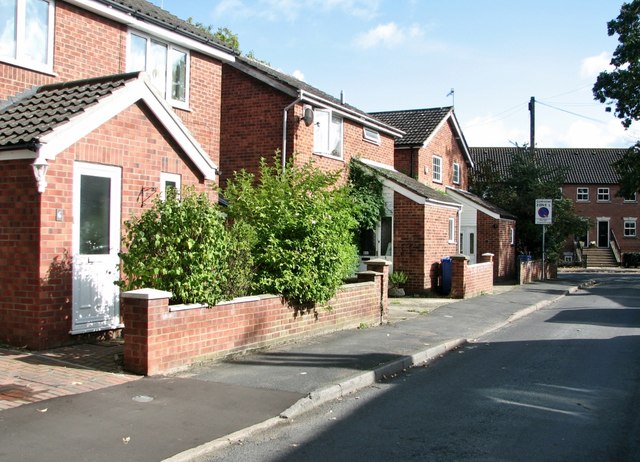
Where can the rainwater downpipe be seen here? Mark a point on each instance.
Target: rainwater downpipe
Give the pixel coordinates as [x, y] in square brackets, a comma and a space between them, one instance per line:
[284, 128]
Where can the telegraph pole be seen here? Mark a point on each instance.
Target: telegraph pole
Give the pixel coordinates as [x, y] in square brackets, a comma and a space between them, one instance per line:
[532, 130]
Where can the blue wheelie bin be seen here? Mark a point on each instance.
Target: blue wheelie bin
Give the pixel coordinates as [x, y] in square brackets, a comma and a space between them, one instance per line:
[446, 270]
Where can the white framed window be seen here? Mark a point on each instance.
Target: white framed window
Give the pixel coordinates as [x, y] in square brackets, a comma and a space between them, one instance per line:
[512, 236]
[632, 198]
[327, 133]
[371, 135]
[630, 227]
[436, 169]
[169, 181]
[582, 195]
[166, 64]
[603, 195]
[456, 173]
[26, 33]
[452, 230]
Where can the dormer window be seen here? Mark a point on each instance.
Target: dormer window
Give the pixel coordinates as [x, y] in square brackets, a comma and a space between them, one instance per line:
[166, 64]
[26, 33]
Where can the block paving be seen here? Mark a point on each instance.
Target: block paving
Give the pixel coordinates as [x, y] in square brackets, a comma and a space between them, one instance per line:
[29, 377]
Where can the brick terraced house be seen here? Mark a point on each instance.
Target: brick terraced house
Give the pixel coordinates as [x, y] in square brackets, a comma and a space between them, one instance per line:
[434, 153]
[103, 104]
[593, 185]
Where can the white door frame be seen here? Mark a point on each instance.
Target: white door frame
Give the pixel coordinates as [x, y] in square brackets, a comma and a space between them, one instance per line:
[95, 299]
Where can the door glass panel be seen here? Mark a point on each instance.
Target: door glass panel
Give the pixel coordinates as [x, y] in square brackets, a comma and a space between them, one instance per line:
[386, 235]
[472, 243]
[95, 208]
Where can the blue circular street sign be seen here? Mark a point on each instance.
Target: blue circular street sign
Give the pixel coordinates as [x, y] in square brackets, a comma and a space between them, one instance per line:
[543, 212]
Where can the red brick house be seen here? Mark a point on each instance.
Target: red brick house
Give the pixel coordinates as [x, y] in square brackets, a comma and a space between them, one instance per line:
[264, 110]
[435, 153]
[593, 185]
[86, 141]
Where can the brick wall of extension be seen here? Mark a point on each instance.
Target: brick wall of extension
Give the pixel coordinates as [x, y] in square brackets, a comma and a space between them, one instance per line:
[160, 339]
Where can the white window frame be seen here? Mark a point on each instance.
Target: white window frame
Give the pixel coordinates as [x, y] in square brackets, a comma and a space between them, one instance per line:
[602, 193]
[323, 136]
[371, 135]
[452, 230]
[20, 39]
[512, 236]
[584, 192]
[436, 170]
[166, 91]
[630, 221]
[169, 178]
[456, 173]
[633, 198]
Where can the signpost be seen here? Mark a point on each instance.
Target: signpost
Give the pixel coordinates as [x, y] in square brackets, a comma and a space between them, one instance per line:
[544, 217]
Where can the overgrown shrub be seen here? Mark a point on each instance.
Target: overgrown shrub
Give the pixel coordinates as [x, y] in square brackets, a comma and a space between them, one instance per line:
[631, 259]
[180, 245]
[302, 226]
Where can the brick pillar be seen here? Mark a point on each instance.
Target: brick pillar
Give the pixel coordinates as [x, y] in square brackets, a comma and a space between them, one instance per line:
[139, 309]
[486, 258]
[380, 265]
[459, 272]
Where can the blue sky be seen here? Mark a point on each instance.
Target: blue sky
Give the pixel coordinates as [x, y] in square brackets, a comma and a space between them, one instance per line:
[407, 54]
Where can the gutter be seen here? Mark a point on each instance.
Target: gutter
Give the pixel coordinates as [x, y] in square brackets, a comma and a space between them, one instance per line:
[284, 127]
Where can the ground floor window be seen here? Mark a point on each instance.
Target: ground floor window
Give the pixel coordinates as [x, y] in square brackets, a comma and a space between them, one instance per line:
[630, 227]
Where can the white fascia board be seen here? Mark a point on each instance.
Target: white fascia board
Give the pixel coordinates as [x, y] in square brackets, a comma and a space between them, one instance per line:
[471, 204]
[352, 115]
[156, 31]
[373, 163]
[108, 107]
[462, 140]
[417, 198]
[18, 154]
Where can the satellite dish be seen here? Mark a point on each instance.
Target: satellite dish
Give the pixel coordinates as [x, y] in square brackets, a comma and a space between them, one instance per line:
[308, 116]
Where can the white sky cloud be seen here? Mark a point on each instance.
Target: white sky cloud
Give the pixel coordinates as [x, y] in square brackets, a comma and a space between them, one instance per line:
[388, 35]
[298, 74]
[485, 131]
[274, 10]
[593, 65]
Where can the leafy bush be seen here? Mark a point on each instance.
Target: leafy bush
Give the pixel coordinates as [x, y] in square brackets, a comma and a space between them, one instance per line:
[303, 227]
[631, 259]
[179, 245]
[366, 192]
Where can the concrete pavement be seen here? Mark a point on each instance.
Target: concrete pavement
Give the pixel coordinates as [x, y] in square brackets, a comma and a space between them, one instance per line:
[186, 415]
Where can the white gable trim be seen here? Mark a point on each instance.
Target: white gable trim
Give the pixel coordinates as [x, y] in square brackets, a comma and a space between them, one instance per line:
[108, 107]
[463, 143]
[157, 31]
[473, 205]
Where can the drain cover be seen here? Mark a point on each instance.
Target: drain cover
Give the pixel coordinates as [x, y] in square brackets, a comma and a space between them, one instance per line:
[143, 398]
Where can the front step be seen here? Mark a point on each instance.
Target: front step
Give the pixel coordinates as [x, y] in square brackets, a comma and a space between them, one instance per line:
[600, 258]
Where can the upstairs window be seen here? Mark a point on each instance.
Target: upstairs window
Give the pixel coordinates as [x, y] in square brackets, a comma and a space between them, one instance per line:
[456, 173]
[166, 64]
[371, 135]
[582, 195]
[603, 195]
[327, 133]
[632, 198]
[436, 169]
[26, 33]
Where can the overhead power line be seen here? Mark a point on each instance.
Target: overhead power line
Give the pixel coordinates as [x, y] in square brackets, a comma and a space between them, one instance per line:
[570, 112]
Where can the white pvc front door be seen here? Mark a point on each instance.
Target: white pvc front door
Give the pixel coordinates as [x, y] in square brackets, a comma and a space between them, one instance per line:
[96, 243]
[468, 243]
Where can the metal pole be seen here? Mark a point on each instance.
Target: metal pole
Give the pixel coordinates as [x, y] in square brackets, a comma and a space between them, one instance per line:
[544, 229]
[532, 131]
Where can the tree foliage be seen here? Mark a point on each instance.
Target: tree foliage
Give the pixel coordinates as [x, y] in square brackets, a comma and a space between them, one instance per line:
[366, 192]
[179, 245]
[303, 229]
[517, 192]
[621, 86]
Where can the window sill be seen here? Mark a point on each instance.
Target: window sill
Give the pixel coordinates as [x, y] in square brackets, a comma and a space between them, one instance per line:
[328, 156]
[42, 69]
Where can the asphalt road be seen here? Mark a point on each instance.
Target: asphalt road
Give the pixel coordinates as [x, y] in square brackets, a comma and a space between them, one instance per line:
[561, 384]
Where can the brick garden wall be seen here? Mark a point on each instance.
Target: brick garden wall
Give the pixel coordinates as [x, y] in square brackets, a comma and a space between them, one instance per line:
[471, 280]
[531, 271]
[160, 339]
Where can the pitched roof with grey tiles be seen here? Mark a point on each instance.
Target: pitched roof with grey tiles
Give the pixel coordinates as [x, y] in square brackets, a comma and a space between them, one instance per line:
[296, 85]
[147, 11]
[418, 124]
[27, 117]
[413, 185]
[583, 165]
